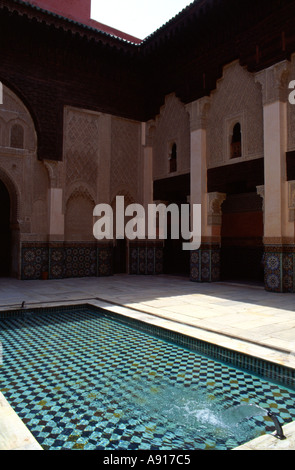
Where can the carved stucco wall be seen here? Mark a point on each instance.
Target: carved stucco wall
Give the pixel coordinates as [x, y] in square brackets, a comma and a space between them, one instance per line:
[13, 111]
[171, 126]
[81, 150]
[25, 177]
[79, 217]
[125, 171]
[102, 159]
[237, 98]
[39, 225]
[81, 162]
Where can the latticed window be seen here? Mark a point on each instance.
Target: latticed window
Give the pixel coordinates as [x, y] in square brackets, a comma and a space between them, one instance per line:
[17, 136]
[236, 143]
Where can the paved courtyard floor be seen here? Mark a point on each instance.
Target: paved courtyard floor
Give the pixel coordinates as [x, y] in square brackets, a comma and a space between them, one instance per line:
[236, 312]
[245, 318]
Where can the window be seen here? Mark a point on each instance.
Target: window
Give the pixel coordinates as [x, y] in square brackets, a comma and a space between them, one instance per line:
[173, 158]
[17, 136]
[236, 142]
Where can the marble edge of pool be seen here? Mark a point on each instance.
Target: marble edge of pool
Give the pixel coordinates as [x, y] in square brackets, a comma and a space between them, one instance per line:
[14, 435]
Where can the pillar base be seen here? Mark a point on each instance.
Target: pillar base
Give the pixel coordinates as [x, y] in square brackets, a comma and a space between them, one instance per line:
[145, 258]
[205, 264]
[279, 269]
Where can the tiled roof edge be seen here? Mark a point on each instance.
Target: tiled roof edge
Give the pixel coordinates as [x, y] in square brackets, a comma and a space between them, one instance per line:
[76, 23]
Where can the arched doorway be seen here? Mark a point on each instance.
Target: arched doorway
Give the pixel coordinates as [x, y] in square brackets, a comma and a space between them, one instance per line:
[5, 232]
[242, 238]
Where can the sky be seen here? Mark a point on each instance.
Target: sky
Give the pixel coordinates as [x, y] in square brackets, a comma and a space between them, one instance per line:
[139, 18]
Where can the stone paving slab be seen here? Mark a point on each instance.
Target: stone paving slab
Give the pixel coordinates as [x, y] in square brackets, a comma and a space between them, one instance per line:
[248, 313]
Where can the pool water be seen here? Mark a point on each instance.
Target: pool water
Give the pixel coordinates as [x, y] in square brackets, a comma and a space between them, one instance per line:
[83, 380]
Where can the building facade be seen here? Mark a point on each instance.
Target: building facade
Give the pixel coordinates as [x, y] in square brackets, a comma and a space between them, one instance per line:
[198, 112]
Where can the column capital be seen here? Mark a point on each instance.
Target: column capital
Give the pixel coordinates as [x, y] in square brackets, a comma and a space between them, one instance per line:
[198, 112]
[261, 193]
[274, 82]
[215, 201]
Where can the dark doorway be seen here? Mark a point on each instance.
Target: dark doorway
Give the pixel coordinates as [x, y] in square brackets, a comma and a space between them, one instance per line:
[120, 254]
[242, 238]
[5, 234]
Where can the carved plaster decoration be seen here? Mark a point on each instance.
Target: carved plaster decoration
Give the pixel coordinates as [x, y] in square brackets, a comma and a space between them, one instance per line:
[79, 190]
[198, 112]
[81, 146]
[236, 99]
[55, 171]
[128, 197]
[150, 133]
[126, 145]
[215, 201]
[261, 193]
[172, 124]
[13, 111]
[274, 82]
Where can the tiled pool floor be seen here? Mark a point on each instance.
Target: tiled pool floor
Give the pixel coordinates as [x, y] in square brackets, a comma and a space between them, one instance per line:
[239, 317]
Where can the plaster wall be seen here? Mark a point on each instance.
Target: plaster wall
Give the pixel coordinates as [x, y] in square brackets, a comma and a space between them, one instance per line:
[237, 98]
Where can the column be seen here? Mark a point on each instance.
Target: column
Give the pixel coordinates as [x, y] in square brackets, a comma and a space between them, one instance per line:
[146, 256]
[205, 262]
[56, 249]
[278, 229]
[147, 167]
